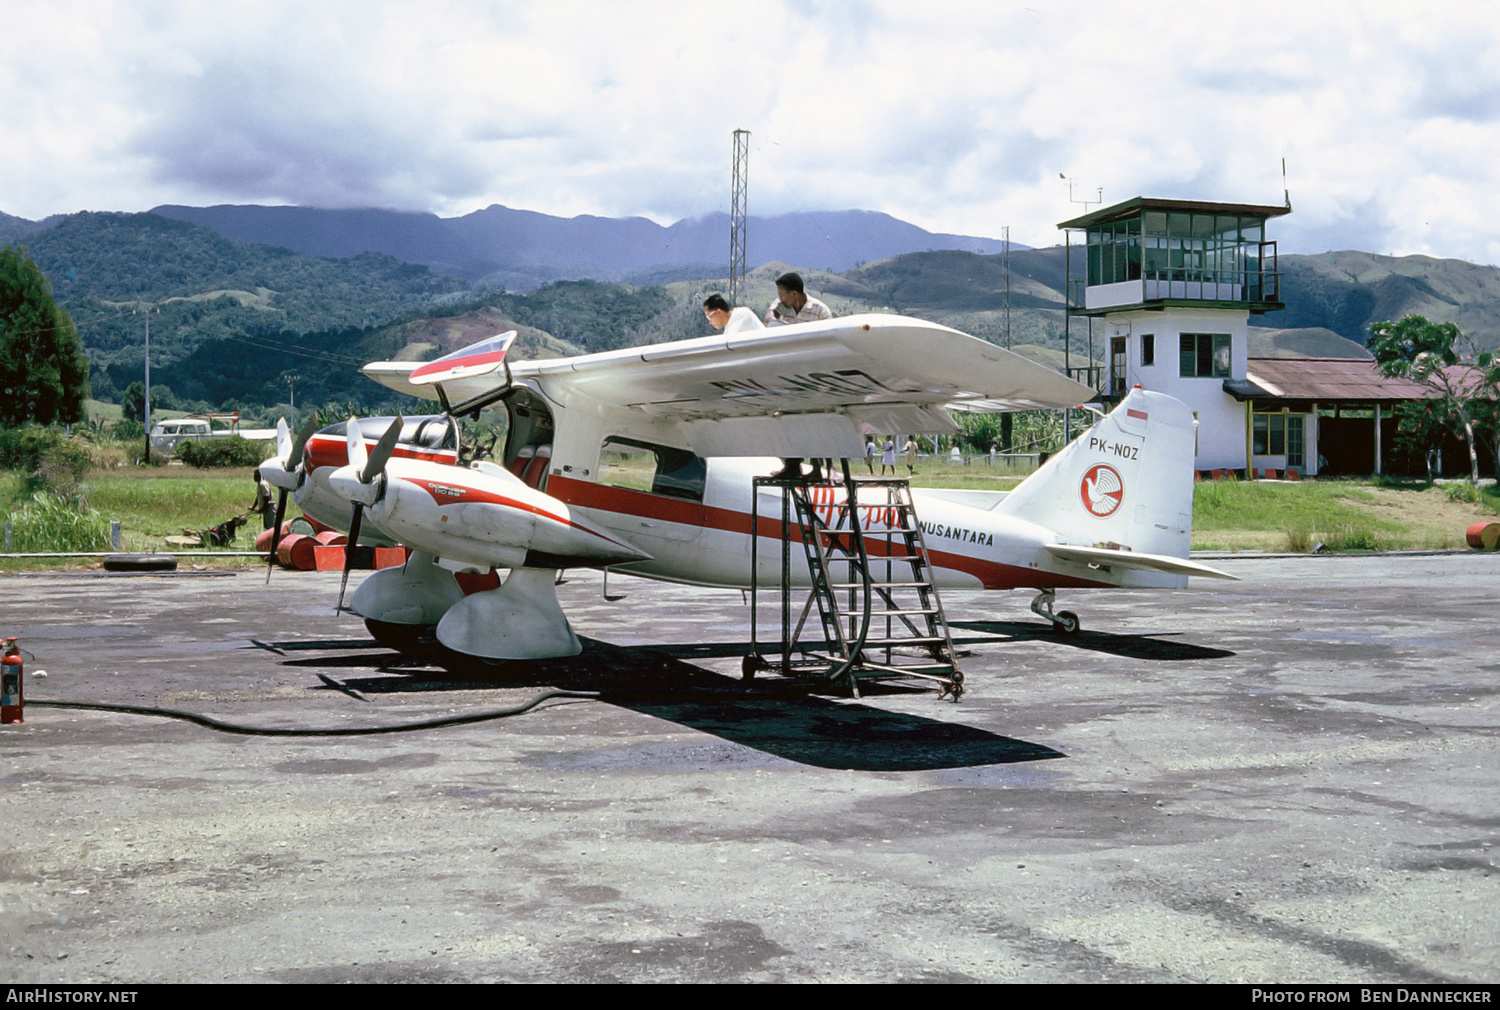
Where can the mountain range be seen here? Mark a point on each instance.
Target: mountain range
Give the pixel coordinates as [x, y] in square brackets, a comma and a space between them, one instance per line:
[319, 292]
[521, 249]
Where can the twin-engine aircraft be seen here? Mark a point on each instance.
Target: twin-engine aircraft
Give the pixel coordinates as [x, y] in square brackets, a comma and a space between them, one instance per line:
[641, 460]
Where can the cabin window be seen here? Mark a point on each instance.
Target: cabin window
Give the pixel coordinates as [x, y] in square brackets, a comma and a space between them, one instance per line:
[1204, 356]
[656, 469]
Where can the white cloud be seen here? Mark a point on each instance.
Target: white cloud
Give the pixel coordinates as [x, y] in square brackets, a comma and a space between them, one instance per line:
[956, 115]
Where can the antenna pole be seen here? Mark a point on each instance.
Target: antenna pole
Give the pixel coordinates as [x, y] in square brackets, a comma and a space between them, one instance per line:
[737, 292]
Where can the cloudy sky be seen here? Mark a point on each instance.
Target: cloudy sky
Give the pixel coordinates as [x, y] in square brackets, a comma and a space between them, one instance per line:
[957, 116]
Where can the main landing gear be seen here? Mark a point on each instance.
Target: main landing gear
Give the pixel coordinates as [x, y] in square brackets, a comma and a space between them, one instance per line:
[1064, 622]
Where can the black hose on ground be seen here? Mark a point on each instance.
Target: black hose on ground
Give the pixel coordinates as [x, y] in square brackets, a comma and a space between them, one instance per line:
[230, 727]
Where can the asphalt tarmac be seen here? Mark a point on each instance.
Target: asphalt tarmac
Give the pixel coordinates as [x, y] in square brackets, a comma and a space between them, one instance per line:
[1287, 779]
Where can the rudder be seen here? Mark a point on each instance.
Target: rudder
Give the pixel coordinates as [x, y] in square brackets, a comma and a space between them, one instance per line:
[1127, 482]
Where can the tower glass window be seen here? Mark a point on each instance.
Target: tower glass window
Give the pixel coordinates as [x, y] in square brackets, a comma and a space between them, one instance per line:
[1184, 251]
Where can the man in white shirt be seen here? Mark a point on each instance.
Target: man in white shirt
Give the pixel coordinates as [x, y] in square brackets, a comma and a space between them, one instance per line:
[717, 311]
[792, 304]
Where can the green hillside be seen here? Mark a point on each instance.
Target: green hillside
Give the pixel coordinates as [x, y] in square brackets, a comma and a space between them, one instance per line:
[230, 321]
[107, 269]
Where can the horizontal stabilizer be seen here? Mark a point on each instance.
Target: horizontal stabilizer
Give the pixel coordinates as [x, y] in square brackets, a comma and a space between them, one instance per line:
[1132, 559]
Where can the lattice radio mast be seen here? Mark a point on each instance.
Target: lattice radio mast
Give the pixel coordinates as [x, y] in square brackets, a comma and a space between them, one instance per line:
[737, 292]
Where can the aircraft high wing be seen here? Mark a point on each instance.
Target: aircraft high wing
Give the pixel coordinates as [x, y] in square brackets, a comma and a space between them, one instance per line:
[642, 459]
[814, 389]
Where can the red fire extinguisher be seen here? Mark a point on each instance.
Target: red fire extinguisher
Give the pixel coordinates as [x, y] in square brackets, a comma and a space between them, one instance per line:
[12, 684]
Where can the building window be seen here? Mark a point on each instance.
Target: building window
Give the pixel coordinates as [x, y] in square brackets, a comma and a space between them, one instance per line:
[1268, 435]
[1148, 349]
[1117, 366]
[1204, 356]
[1114, 252]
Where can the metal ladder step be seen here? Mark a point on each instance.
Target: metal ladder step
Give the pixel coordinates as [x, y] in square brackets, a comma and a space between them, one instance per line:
[830, 518]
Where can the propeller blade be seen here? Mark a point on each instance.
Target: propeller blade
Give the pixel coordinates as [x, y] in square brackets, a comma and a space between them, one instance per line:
[299, 446]
[283, 440]
[354, 519]
[383, 449]
[356, 442]
[276, 533]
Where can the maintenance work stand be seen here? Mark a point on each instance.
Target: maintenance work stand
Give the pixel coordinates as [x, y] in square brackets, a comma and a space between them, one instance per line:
[869, 577]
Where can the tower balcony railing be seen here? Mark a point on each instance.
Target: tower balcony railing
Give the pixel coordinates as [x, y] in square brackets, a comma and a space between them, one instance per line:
[1091, 376]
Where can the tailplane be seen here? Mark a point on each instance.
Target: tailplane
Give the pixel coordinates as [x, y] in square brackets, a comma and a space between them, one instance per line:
[1121, 494]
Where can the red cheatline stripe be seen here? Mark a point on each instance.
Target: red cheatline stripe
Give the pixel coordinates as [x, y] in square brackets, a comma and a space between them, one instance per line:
[584, 494]
[333, 450]
[474, 496]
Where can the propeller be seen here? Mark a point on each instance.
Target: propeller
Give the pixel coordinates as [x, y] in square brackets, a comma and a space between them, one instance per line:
[368, 468]
[290, 450]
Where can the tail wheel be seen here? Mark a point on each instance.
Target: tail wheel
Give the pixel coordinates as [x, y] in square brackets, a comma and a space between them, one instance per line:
[1065, 623]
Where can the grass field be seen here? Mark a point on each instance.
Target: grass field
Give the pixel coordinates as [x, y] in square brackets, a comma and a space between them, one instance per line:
[1342, 515]
[153, 503]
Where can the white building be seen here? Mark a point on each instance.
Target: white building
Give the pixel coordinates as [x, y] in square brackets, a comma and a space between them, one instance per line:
[1173, 283]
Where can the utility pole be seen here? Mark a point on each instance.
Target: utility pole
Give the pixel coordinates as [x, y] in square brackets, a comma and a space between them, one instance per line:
[147, 457]
[1006, 421]
[737, 292]
[1068, 300]
[1005, 259]
[292, 396]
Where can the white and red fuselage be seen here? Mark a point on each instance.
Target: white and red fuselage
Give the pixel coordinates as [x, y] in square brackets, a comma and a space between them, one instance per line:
[1124, 487]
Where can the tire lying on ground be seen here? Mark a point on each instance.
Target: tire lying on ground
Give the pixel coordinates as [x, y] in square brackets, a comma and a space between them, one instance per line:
[140, 562]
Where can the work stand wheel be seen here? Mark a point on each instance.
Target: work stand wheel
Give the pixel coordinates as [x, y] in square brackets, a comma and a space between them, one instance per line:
[1065, 623]
[953, 687]
[750, 666]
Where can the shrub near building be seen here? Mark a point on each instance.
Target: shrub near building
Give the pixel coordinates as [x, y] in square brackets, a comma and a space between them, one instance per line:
[220, 452]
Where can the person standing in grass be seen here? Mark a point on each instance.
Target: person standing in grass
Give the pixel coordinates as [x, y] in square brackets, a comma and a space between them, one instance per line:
[262, 504]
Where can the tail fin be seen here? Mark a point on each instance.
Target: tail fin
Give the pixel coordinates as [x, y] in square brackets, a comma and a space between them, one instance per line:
[1126, 484]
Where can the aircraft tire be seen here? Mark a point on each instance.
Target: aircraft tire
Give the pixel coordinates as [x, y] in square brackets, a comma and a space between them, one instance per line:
[402, 637]
[1066, 624]
[140, 562]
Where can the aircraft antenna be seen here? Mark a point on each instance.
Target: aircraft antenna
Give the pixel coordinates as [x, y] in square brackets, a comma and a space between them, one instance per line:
[737, 291]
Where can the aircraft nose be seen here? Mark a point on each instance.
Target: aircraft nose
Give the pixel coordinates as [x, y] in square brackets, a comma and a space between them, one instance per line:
[580, 545]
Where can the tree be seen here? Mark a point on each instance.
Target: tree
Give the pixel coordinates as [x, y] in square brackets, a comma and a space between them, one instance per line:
[1440, 357]
[133, 400]
[44, 376]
